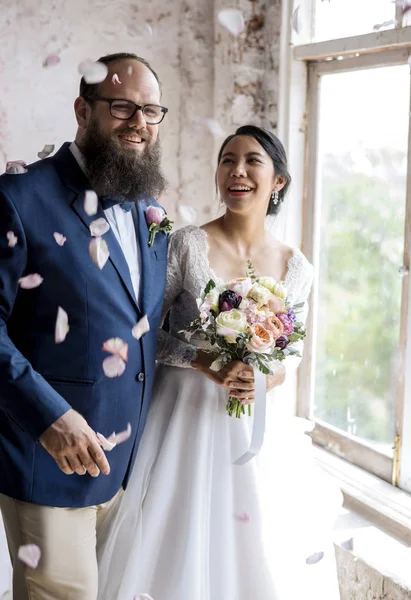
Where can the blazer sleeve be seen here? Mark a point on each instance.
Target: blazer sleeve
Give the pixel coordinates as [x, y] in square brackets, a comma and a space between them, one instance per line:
[25, 396]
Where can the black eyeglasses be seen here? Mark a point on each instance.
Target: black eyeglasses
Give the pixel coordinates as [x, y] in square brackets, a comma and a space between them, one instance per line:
[125, 109]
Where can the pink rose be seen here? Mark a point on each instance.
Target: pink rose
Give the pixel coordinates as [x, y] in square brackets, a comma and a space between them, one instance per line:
[262, 339]
[276, 304]
[155, 214]
[288, 323]
[275, 326]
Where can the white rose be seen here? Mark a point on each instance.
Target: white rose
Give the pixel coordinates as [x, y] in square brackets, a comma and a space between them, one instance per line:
[280, 291]
[211, 299]
[260, 294]
[240, 286]
[267, 282]
[230, 324]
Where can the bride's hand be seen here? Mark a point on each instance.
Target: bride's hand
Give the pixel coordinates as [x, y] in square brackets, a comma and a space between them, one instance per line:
[237, 377]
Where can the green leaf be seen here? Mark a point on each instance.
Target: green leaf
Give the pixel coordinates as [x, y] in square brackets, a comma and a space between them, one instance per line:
[210, 286]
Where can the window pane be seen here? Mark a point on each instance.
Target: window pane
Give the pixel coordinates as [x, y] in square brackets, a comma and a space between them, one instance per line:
[345, 18]
[363, 154]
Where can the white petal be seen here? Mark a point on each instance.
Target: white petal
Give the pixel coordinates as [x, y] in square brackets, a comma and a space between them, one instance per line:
[296, 20]
[130, 70]
[13, 239]
[47, 150]
[115, 79]
[30, 281]
[144, 30]
[143, 597]
[142, 327]
[106, 444]
[99, 227]
[51, 60]
[116, 346]
[99, 252]
[62, 326]
[60, 239]
[122, 436]
[409, 60]
[213, 127]
[232, 19]
[30, 555]
[187, 213]
[90, 203]
[16, 167]
[314, 558]
[113, 366]
[348, 544]
[93, 72]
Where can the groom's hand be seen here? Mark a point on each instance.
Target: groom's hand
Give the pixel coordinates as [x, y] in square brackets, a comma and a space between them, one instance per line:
[74, 446]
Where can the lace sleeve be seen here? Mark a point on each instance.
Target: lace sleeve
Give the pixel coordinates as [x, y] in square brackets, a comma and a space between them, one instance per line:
[172, 350]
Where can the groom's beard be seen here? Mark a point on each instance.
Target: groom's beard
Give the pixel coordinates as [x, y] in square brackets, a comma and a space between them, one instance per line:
[120, 173]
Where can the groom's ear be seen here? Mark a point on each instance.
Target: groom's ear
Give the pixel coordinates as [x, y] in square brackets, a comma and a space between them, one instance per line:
[82, 110]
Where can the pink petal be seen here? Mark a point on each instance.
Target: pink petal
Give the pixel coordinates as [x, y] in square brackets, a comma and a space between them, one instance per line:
[113, 366]
[115, 79]
[60, 239]
[13, 239]
[93, 72]
[116, 346]
[16, 167]
[51, 60]
[142, 327]
[30, 554]
[130, 70]
[48, 149]
[232, 19]
[62, 326]
[122, 436]
[106, 444]
[30, 281]
[296, 20]
[187, 213]
[90, 203]
[99, 227]
[244, 517]
[99, 252]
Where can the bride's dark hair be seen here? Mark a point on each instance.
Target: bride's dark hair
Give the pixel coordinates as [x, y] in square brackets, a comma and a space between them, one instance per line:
[274, 149]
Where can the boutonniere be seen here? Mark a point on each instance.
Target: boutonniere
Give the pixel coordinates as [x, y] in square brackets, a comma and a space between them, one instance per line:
[157, 220]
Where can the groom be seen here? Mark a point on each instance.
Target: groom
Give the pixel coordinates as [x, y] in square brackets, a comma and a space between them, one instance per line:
[57, 485]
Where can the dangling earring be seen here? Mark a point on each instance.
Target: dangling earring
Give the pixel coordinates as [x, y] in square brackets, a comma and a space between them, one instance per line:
[274, 197]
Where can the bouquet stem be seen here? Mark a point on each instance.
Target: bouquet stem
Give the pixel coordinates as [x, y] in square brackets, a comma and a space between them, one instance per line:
[234, 407]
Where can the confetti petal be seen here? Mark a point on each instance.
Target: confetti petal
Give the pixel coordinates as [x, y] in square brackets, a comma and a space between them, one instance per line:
[348, 544]
[314, 558]
[113, 366]
[122, 436]
[244, 517]
[187, 213]
[47, 150]
[99, 227]
[90, 203]
[116, 346]
[144, 30]
[232, 19]
[30, 554]
[115, 79]
[16, 167]
[142, 327]
[60, 239]
[62, 326]
[93, 72]
[296, 20]
[213, 127]
[129, 70]
[143, 597]
[99, 252]
[13, 239]
[51, 60]
[382, 25]
[106, 444]
[30, 281]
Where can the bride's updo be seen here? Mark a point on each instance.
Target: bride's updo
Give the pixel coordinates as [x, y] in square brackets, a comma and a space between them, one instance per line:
[274, 148]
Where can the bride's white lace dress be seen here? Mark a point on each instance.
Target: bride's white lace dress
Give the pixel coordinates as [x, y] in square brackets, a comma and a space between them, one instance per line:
[193, 526]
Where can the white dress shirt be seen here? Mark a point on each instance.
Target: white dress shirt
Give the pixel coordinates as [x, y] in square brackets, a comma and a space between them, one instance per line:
[122, 224]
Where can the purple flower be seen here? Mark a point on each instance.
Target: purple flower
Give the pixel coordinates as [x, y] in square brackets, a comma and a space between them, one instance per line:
[292, 316]
[287, 321]
[282, 342]
[155, 214]
[228, 300]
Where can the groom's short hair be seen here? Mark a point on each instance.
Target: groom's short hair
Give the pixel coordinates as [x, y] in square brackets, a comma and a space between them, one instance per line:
[90, 89]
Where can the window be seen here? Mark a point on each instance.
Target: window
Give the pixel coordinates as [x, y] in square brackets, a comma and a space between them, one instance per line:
[355, 380]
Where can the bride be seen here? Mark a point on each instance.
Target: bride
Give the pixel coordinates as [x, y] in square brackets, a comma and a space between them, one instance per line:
[192, 525]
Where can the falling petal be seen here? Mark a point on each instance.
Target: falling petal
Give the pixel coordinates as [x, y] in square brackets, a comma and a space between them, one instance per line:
[116, 346]
[348, 544]
[115, 79]
[244, 517]
[30, 281]
[60, 239]
[13, 239]
[122, 436]
[16, 167]
[144, 30]
[90, 203]
[130, 70]
[105, 443]
[30, 555]
[47, 150]
[142, 327]
[382, 25]
[99, 252]
[233, 20]
[409, 61]
[213, 127]
[296, 20]
[93, 72]
[51, 60]
[314, 558]
[187, 213]
[143, 597]
[99, 227]
[113, 366]
[62, 326]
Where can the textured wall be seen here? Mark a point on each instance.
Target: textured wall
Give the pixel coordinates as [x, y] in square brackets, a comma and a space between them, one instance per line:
[207, 74]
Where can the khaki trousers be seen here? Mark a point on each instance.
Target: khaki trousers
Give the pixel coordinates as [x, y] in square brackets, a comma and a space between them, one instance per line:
[69, 539]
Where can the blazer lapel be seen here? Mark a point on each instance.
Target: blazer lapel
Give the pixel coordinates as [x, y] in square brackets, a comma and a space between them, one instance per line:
[147, 258]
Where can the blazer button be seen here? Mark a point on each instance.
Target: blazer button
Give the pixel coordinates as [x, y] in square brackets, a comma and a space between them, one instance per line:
[140, 377]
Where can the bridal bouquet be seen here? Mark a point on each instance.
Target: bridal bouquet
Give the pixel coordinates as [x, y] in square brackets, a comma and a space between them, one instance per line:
[248, 319]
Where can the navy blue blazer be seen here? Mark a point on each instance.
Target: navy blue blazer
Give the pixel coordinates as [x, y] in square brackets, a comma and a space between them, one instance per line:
[41, 380]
